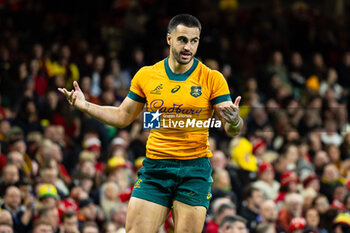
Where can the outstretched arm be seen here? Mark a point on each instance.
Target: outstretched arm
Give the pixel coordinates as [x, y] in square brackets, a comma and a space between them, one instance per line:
[228, 114]
[117, 116]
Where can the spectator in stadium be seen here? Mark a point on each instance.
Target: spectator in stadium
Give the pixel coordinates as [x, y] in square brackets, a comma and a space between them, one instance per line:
[292, 209]
[321, 203]
[253, 198]
[28, 116]
[312, 218]
[341, 223]
[118, 216]
[320, 160]
[225, 209]
[5, 228]
[121, 77]
[21, 217]
[109, 198]
[87, 211]
[89, 227]
[96, 76]
[266, 182]
[243, 159]
[47, 195]
[85, 83]
[297, 73]
[65, 67]
[233, 224]
[329, 180]
[118, 173]
[331, 83]
[43, 226]
[76, 193]
[338, 197]
[308, 197]
[268, 215]
[49, 175]
[347, 202]
[9, 177]
[344, 70]
[92, 143]
[69, 221]
[311, 181]
[219, 160]
[289, 184]
[297, 225]
[5, 216]
[50, 214]
[109, 227]
[16, 158]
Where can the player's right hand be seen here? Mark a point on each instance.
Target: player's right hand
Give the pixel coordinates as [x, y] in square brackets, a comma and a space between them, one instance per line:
[75, 97]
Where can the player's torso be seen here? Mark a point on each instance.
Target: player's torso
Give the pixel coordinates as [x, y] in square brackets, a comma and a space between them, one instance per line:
[179, 96]
[183, 101]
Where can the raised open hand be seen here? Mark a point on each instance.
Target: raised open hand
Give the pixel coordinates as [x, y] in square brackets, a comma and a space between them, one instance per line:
[75, 97]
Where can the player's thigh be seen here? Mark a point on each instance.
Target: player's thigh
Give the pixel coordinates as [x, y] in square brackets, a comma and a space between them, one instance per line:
[144, 216]
[187, 218]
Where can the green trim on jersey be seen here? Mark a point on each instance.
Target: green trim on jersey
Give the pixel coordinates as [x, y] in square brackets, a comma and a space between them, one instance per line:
[136, 97]
[220, 98]
[179, 77]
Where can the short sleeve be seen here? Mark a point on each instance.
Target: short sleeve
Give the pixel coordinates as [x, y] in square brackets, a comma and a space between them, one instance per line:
[136, 92]
[219, 88]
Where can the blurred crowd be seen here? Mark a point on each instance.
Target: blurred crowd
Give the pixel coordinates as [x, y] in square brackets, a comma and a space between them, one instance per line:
[62, 171]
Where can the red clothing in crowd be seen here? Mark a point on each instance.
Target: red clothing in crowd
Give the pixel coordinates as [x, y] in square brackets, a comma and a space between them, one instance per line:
[284, 219]
[67, 204]
[211, 227]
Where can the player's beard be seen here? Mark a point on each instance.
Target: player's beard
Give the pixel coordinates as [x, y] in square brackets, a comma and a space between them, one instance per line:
[177, 56]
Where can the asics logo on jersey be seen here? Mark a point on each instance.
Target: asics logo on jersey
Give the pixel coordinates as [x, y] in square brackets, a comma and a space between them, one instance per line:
[157, 90]
[175, 89]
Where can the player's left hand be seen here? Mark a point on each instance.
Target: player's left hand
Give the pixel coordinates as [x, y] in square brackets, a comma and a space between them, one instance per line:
[230, 112]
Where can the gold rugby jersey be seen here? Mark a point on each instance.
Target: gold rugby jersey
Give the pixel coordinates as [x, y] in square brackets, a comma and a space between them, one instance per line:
[185, 103]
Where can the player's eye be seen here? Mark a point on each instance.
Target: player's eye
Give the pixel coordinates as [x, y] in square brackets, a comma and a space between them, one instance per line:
[194, 41]
[183, 39]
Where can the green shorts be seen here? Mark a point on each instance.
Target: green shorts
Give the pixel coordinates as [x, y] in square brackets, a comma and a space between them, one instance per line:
[164, 180]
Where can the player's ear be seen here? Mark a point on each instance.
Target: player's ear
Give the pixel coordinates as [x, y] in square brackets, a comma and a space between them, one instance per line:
[168, 38]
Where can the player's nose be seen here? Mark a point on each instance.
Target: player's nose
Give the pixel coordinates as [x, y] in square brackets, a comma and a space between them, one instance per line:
[187, 46]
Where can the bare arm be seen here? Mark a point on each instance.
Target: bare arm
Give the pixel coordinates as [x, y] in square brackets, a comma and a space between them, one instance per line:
[117, 116]
[228, 114]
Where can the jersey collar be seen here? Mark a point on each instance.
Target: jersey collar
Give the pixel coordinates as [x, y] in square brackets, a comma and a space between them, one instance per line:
[179, 77]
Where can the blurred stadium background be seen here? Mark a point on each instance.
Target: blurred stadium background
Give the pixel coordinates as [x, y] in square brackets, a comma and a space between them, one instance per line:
[289, 60]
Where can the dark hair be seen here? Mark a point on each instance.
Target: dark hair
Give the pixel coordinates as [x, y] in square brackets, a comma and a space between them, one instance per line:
[316, 198]
[226, 206]
[232, 219]
[185, 19]
[68, 214]
[249, 190]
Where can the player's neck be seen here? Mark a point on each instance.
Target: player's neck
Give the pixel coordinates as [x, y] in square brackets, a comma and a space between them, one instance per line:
[178, 68]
